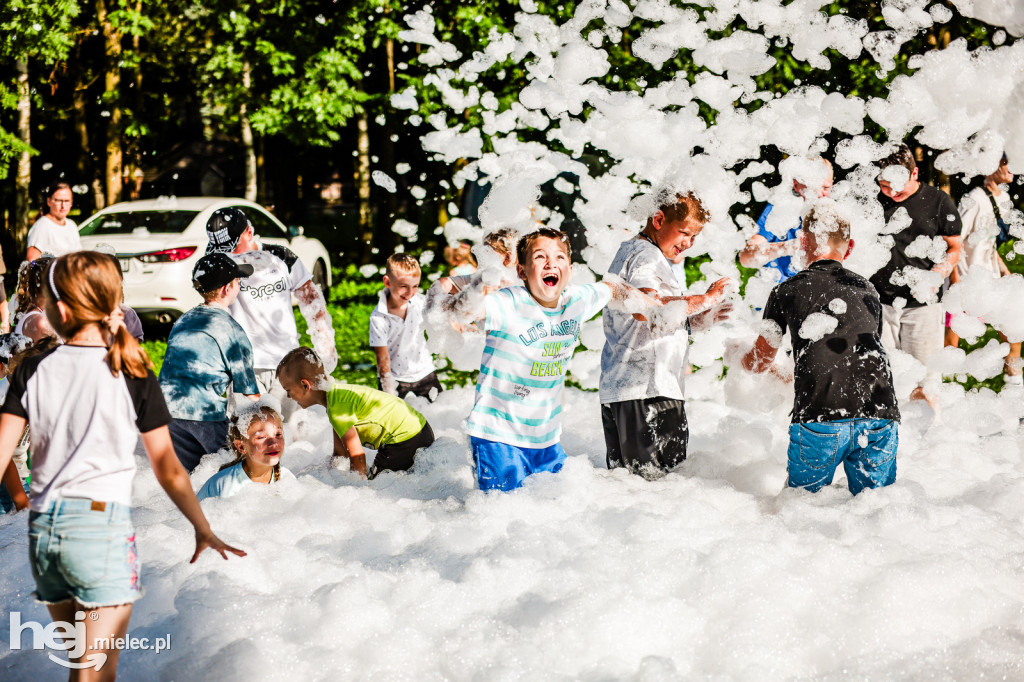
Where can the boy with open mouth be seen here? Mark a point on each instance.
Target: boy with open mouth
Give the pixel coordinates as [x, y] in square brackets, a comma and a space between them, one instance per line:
[532, 331]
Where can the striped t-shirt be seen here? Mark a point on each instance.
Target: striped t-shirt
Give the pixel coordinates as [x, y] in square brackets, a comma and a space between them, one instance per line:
[519, 390]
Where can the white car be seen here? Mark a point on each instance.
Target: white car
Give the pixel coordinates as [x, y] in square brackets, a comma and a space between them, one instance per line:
[159, 241]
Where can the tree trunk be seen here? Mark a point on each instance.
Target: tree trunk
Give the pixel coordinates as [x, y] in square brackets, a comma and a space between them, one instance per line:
[24, 173]
[247, 140]
[112, 84]
[386, 238]
[86, 166]
[363, 181]
[262, 185]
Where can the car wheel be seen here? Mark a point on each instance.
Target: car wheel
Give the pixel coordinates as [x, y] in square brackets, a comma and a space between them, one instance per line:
[320, 277]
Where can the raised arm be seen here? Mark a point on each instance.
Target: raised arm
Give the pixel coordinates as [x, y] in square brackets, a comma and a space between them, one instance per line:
[954, 245]
[318, 319]
[759, 358]
[176, 484]
[759, 251]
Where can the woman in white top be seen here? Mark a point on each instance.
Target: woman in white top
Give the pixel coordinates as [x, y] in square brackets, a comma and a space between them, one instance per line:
[54, 233]
[88, 401]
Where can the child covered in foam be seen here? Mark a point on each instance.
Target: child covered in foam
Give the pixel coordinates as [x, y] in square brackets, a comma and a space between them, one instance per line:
[256, 434]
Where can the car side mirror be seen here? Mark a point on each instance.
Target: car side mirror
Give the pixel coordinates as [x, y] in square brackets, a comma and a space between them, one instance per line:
[296, 230]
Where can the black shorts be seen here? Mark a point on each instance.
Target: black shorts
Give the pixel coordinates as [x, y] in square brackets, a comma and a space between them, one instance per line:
[421, 388]
[647, 436]
[400, 456]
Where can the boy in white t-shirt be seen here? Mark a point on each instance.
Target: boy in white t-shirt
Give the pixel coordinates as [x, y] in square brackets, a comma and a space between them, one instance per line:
[532, 330]
[264, 304]
[404, 365]
[641, 390]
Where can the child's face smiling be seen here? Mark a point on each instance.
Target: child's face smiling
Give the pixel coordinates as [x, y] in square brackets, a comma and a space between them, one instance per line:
[546, 271]
[402, 288]
[264, 442]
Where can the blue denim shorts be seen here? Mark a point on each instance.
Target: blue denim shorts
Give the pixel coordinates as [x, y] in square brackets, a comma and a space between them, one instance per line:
[84, 550]
[865, 447]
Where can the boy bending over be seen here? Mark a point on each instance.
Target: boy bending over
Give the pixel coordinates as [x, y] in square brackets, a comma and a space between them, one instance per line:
[359, 415]
[845, 408]
[404, 365]
[531, 332]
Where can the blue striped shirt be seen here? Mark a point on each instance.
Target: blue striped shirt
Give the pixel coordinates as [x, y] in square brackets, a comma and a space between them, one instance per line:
[519, 390]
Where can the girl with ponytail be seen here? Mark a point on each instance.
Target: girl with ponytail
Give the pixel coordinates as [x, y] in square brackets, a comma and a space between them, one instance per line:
[87, 402]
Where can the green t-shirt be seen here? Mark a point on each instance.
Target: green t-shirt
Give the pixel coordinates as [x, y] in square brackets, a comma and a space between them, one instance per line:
[380, 418]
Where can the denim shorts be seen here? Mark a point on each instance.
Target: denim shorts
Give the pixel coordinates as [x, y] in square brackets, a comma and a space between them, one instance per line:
[865, 447]
[84, 550]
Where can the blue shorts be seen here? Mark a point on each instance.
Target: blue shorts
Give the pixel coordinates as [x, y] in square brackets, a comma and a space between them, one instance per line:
[500, 466]
[865, 447]
[79, 551]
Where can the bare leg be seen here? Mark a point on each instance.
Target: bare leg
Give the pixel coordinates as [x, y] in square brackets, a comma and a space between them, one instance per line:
[951, 338]
[111, 623]
[1012, 363]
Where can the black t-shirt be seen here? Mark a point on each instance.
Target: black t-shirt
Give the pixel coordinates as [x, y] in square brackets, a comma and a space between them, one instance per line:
[835, 320]
[932, 214]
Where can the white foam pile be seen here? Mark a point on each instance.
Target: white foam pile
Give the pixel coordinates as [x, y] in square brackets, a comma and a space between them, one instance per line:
[715, 571]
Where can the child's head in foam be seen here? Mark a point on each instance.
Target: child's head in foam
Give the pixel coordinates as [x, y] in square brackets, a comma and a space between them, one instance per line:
[302, 375]
[402, 277]
[256, 435]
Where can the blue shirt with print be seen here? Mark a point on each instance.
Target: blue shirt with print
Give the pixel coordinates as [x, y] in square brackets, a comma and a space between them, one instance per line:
[207, 351]
[784, 264]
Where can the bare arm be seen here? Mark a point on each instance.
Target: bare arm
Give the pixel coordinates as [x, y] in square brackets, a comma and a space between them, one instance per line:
[350, 446]
[387, 380]
[176, 484]
[318, 320]
[12, 481]
[32, 253]
[11, 428]
[954, 245]
[5, 315]
[760, 251]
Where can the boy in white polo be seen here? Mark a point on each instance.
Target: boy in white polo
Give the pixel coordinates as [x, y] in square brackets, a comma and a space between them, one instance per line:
[404, 365]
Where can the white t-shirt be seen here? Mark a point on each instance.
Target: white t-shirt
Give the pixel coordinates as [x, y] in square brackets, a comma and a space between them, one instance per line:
[229, 481]
[264, 305]
[85, 423]
[407, 347]
[54, 239]
[980, 230]
[634, 364]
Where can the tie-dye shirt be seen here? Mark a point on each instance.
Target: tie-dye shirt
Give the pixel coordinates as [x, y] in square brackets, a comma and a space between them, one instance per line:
[519, 390]
[207, 352]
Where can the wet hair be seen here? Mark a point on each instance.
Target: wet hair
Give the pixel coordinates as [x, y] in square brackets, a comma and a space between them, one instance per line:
[88, 284]
[32, 283]
[302, 363]
[684, 206]
[901, 157]
[402, 264]
[263, 413]
[527, 242]
[502, 241]
[827, 225]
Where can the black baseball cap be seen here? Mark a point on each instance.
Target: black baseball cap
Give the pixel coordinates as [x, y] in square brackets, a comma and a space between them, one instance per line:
[224, 228]
[214, 270]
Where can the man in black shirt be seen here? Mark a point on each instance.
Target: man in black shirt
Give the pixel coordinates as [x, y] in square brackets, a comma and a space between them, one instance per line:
[844, 409]
[924, 252]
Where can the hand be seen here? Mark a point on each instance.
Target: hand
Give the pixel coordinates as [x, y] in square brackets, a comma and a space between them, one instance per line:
[208, 539]
[721, 312]
[717, 290]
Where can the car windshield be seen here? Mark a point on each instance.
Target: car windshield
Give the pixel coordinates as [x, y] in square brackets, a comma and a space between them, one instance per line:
[131, 221]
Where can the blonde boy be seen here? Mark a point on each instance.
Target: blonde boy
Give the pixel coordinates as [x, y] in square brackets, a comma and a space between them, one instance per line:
[531, 330]
[404, 364]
